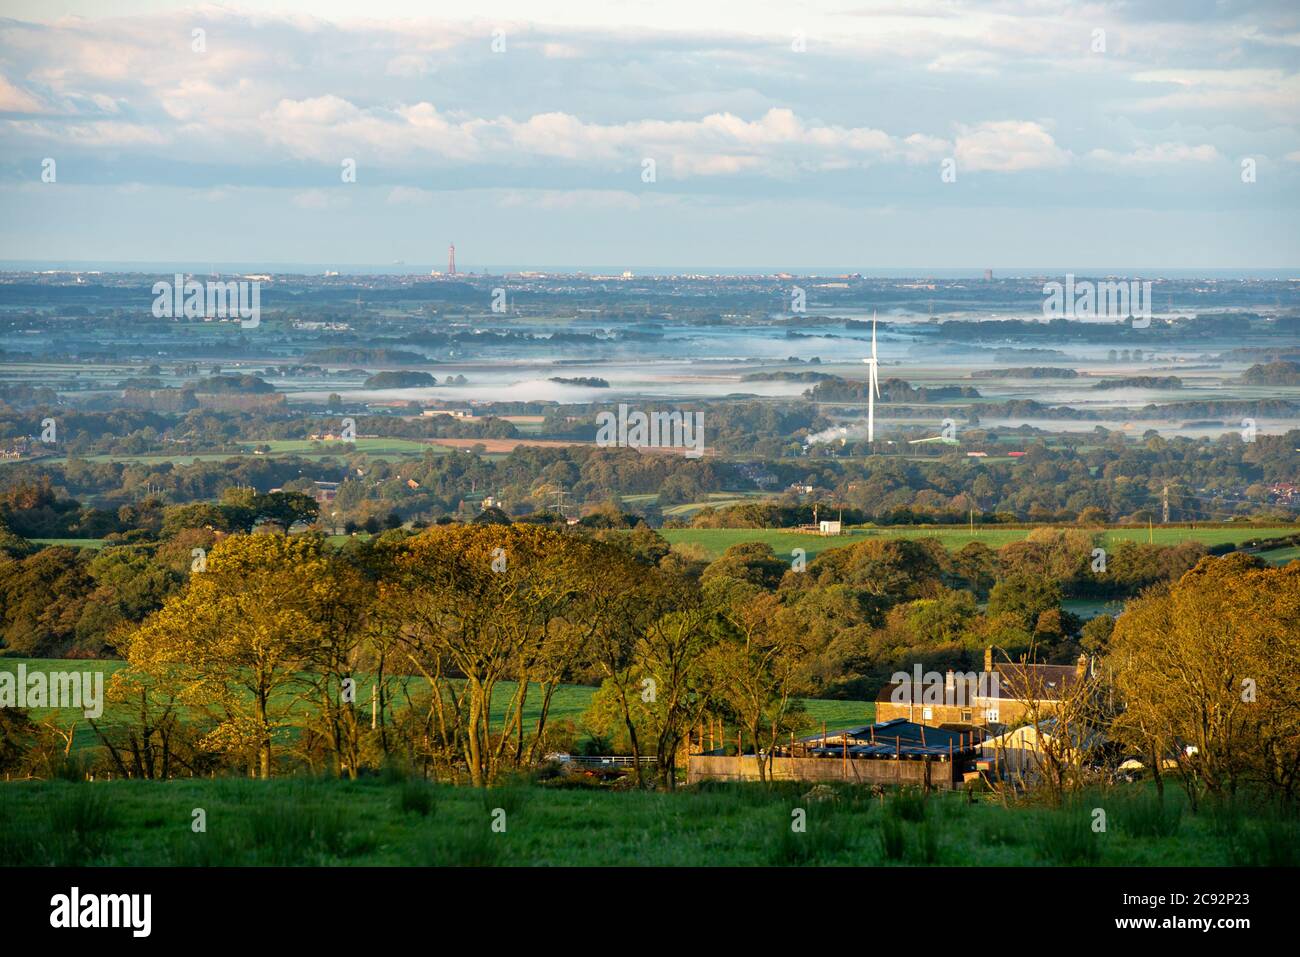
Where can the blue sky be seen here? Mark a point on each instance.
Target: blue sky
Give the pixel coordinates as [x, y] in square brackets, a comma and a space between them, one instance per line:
[789, 136]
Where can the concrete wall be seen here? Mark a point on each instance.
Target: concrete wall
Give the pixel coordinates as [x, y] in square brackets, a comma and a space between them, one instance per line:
[906, 773]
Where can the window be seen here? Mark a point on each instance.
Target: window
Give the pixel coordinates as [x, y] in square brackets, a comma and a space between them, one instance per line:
[966, 715]
[992, 715]
[927, 714]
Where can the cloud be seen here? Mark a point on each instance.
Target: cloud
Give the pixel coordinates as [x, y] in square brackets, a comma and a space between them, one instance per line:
[1162, 154]
[14, 100]
[1008, 146]
[409, 196]
[316, 199]
[553, 199]
[723, 106]
[1228, 93]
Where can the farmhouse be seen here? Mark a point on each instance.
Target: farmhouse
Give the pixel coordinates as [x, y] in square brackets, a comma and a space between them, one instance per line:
[1006, 693]
[324, 492]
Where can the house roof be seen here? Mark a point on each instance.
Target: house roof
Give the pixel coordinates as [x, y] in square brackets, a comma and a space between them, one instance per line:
[1016, 682]
[889, 738]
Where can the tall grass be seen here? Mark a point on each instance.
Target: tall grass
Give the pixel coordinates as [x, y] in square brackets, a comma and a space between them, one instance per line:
[416, 796]
[826, 834]
[893, 838]
[1065, 835]
[407, 821]
[1147, 814]
[80, 822]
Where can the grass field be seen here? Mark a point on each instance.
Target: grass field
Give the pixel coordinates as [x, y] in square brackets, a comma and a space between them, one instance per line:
[95, 543]
[1281, 556]
[379, 448]
[569, 702]
[387, 821]
[709, 543]
[376, 447]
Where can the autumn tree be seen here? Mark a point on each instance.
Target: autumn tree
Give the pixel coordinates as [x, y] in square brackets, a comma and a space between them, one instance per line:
[236, 639]
[481, 602]
[755, 670]
[1208, 671]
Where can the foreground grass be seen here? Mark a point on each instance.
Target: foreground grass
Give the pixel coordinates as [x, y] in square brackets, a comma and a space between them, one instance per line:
[380, 821]
[408, 822]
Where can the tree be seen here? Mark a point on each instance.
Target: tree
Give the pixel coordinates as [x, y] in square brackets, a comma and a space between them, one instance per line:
[194, 515]
[1208, 671]
[1024, 597]
[752, 562]
[481, 601]
[236, 639]
[668, 652]
[620, 598]
[42, 598]
[755, 670]
[285, 509]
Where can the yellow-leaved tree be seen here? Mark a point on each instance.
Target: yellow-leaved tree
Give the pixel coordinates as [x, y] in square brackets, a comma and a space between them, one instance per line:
[234, 643]
[1208, 671]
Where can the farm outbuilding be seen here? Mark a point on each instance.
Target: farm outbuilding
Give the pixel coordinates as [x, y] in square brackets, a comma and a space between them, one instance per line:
[897, 752]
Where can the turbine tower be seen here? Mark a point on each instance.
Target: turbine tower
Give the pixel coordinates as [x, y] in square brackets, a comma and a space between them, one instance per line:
[873, 383]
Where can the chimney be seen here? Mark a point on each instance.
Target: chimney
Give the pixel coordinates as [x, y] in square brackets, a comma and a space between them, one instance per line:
[988, 660]
[950, 681]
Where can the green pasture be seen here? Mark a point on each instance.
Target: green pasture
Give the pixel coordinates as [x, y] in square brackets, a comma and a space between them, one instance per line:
[709, 543]
[570, 820]
[569, 702]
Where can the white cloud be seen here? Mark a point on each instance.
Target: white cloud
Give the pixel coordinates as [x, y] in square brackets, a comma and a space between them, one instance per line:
[315, 199]
[571, 199]
[14, 100]
[1161, 154]
[409, 196]
[1008, 146]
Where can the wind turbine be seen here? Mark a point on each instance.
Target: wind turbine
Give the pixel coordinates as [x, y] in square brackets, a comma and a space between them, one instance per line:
[873, 382]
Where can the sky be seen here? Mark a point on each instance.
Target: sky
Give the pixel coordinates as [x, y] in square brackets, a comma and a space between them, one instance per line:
[1126, 136]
